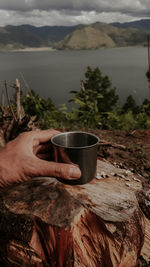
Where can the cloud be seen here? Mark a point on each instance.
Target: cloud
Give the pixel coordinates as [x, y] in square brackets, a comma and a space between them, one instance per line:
[55, 17]
[79, 5]
[71, 12]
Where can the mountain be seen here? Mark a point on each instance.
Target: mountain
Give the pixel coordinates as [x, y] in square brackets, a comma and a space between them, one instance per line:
[31, 36]
[93, 36]
[143, 24]
[100, 34]
[86, 37]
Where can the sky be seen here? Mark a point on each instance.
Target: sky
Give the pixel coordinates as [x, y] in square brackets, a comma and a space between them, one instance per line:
[71, 12]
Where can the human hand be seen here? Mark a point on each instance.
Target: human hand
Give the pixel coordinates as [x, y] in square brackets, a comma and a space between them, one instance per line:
[24, 158]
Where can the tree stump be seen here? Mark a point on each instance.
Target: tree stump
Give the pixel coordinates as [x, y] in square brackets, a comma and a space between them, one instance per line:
[105, 223]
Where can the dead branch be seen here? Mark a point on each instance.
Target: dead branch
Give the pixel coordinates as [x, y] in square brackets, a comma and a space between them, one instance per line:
[82, 86]
[2, 98]
[11, 123]
[17, 87]
[2, 102]
[26, 84]
[105, 143]
[2, 109]
[9, 103]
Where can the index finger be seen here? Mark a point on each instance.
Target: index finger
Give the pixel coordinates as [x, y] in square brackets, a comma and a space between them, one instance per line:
[43, 136]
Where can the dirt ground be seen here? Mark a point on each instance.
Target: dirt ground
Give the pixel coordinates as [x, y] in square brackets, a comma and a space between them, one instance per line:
[130, 150]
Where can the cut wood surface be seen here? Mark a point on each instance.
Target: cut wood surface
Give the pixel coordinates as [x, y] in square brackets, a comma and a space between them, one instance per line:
[105, 223]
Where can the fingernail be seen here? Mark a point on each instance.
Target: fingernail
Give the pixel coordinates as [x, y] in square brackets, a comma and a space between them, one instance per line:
[74, 172]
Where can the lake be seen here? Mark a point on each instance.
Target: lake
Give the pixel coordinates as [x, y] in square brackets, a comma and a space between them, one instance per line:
[55, 73]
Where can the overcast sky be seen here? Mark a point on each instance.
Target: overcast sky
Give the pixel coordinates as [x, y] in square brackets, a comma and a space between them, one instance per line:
[71, 12]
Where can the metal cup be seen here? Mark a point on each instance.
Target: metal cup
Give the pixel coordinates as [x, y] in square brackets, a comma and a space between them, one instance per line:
[78, 148]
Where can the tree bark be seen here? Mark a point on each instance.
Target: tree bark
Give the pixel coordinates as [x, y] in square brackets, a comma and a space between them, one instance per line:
[105, 223]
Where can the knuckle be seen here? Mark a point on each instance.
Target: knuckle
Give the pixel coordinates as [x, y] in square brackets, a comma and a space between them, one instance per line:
[61, 171]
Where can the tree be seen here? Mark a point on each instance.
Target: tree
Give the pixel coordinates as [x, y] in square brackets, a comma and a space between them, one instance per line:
[102, 85]
[130, 105]
[145, 107]
[86, 113]
[93, 99]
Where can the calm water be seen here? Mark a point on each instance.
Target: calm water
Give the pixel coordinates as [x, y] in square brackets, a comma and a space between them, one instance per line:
[55, 73]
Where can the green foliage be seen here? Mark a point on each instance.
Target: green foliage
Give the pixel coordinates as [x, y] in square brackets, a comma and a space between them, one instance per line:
[102, 85]
[87, 112]
[35, 105]
[57, 118]
[93, 99]
[119, 120]
[95, 106]
[130, 104]
[45, 111]
[145, 107]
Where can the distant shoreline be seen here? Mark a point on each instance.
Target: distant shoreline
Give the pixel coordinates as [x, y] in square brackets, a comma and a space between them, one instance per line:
[27, 49]
[33, 49]
[48, 48]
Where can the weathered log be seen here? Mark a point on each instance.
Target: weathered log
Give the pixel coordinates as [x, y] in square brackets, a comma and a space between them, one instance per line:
[104, 223]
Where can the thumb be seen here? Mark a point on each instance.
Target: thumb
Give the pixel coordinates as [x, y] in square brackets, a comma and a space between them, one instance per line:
[59, 170]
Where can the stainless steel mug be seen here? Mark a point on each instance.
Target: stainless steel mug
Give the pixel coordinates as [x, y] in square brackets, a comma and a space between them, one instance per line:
[78, 148]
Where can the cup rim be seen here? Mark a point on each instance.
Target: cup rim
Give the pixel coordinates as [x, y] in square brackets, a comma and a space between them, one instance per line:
[74, 132]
